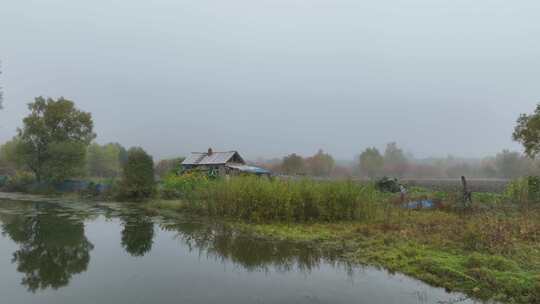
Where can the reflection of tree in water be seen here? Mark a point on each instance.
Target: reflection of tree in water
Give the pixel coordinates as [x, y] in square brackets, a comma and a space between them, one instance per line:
[138, 234]
[251, 253]
[52, 249]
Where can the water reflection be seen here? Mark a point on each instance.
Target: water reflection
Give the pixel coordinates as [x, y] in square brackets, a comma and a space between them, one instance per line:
[252, 254]
[137, 234]
[52, 247]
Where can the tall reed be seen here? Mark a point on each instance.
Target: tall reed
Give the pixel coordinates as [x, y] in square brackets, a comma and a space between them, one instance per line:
[261, 199]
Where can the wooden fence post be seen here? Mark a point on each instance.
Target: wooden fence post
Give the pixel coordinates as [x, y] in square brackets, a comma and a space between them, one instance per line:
[467, 195]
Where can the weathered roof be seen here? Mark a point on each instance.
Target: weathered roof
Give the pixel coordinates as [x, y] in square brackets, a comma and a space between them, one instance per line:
[216, 158]
[249, 169]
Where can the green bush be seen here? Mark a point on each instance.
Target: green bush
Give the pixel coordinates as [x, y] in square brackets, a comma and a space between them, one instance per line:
[523, 191]
[21, 181]
[183, 186]
[138, 176]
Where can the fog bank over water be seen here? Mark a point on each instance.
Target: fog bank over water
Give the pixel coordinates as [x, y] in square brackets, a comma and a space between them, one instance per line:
[270, 78]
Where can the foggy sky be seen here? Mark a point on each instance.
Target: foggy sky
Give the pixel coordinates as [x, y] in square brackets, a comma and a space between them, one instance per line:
[272, 77]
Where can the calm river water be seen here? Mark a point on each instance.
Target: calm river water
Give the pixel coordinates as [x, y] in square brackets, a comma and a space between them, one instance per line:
[66, 252]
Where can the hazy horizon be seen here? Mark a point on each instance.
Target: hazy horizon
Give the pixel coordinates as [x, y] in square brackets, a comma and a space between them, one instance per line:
[269, 78]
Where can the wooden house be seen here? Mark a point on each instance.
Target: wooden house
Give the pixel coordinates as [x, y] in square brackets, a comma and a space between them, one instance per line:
[220, 163]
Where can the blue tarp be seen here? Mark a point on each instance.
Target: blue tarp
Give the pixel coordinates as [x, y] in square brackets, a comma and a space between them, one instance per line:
[421, 204]
[3, 180]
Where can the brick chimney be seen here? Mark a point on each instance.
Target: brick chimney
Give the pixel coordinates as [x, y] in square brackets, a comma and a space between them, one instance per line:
[210, 151]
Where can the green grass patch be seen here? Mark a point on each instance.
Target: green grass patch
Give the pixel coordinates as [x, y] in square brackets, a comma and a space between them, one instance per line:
[483, 275]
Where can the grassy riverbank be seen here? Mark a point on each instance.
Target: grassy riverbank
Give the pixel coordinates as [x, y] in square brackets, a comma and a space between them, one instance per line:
[487, 256]
[472, 254]
[491, 251]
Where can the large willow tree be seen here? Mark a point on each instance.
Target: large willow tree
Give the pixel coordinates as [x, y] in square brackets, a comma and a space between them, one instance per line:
[54, 139]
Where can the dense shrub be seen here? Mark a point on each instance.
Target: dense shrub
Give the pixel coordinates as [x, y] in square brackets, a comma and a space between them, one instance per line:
[138, 176]
[524, 191]
[387, 184]
[261, 199]
[21, 181]
[185, 186]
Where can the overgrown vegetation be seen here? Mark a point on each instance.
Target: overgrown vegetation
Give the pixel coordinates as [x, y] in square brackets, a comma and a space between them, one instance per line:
[261, 199]
[488, 254]
[105, 161]
[489, 250]
[138, 176]
[488, 257]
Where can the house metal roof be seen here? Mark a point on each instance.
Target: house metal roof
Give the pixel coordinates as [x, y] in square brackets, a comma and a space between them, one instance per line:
[216, 158]
[249, 169]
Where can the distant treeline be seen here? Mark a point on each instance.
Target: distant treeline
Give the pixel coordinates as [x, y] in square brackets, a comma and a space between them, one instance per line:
[56, 142]
[107, 160]
[372, 163]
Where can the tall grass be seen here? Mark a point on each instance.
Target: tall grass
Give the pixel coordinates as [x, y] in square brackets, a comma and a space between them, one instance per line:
[261, 199]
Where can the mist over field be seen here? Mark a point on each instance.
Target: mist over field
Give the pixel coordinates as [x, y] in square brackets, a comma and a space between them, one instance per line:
[276, 151]
[270, 78]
